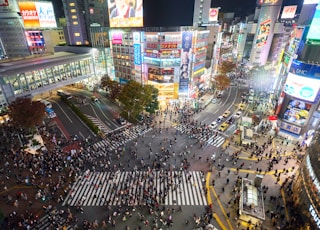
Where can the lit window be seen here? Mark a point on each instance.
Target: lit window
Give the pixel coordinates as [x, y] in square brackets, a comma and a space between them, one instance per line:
[73, 10]
[78, 43]
[74, 17]
[77, 34]
[72, 4]
[75, 23]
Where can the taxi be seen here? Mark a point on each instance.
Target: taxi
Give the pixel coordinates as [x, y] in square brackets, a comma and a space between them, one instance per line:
[226, 114]
[223, 127]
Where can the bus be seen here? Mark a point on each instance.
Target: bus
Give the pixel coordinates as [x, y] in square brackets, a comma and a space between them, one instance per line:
[62, 93]
[50, 113]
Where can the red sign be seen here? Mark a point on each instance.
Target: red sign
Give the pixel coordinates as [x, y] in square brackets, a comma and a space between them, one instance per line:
[273, 118]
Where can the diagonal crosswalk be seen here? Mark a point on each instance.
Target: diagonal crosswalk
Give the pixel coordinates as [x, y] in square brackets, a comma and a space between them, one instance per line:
[115, 140]
[137, 188]
[209, 137]
[52, 221]
[102, 127]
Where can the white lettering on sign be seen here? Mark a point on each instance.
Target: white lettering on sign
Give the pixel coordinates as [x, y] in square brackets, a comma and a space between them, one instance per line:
[301, 71]
[313, 213]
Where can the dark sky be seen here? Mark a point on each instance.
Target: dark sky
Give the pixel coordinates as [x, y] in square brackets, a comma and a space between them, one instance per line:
[244, 7]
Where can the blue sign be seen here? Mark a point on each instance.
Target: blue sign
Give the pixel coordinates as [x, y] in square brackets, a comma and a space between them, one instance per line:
[304, 69]
[314, 31]
[183, 85]
[137, 54]
[186, 40]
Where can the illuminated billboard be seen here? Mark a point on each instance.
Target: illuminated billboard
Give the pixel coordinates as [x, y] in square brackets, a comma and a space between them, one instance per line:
[314, 31]
[4, 3]
[303, 88]
[263, 32]
[289, 12]
[37, 14]
[297, 112]
[213, 14]
[125, 13]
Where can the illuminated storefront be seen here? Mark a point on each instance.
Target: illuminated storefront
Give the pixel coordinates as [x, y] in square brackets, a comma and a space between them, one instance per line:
[306, 187]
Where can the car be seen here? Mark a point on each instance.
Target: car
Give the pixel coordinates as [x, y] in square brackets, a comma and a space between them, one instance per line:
[226, 114]
[94, 99]
[220, 119]
[214, 101]
[223, 127]
[214, 125]
[242, 106]
[230, 120]
[121, 121]
[251, 92]
[250, 99]
[237, 115]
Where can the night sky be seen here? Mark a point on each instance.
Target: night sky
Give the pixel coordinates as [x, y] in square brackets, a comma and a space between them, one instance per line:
[180, 8]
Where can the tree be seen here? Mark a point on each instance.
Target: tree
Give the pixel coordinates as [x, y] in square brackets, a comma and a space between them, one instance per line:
[112, 88]
[151, 97]
[221, 82]
[226, 67]
[26, 113]
[131, 98]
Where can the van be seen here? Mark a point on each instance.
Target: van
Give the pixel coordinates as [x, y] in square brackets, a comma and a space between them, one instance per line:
[46, 103]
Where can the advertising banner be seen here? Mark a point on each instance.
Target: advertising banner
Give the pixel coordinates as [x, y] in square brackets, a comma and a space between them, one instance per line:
[297, 112]
[314, 31]
[263, 32]
[137, 54]
[185, 62]
[307, 2]
[37, 14]
[302, 87]
[305, 69]
[124, 13]
[186, 40]
[166, 45]
[288, 12]
[213, 14]
[4, 3]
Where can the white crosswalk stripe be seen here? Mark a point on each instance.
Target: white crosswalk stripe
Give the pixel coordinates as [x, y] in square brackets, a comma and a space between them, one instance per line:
[51, 221]
[116, 140]
[99, 124]
[137, 188]
[210, 138]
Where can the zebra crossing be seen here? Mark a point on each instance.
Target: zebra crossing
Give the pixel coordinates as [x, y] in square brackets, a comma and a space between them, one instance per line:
[210, 137]
[51, 221]
[115, 140]
[102, 127]
[137, 188]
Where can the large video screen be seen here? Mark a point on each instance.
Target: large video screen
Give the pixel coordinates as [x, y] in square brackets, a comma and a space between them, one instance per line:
[125, 13]
[302, 87]
[297, 112]
[314, 31]
[37, 14]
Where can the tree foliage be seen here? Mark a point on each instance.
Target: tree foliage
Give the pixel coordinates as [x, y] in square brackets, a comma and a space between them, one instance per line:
[152, 103]
[221, 82]
[134, 98]
[112, 88]
[226, 67]
[26, 113]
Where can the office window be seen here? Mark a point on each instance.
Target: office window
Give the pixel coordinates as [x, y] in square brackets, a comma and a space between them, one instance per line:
[73, 11]
[77, 34]
[74, 17]
[72, 4]
[75, 23]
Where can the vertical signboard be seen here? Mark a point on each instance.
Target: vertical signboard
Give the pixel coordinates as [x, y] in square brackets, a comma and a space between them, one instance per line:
[213, 14]
[289, 12]
[137, 54]
[185, 62]
[137, 57]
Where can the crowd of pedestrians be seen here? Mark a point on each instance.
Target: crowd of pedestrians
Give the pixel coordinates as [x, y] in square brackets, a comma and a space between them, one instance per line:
[36, 184]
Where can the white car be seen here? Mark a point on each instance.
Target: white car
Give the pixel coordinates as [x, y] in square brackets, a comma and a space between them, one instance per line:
[238, 114]
[220, 119]
[214, 125]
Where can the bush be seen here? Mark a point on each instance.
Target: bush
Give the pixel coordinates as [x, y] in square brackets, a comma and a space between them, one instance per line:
[81, 115]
